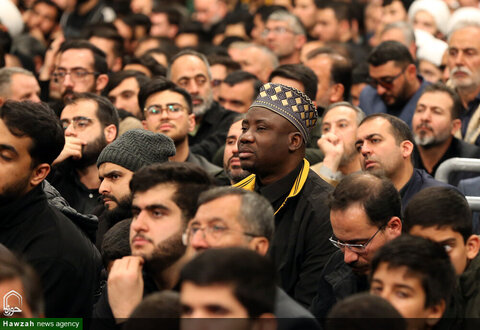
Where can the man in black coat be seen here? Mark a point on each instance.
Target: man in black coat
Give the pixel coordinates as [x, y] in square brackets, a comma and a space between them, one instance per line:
[272, 146]
[67, 263]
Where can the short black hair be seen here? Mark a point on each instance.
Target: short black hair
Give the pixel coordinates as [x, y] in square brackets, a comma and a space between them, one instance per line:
[148, 61]
[301, 73]
[251, 275]
[174, 16]
[376, 194]
[399, 129]
[116, 242]
[99, 57]
[424, 259]
[189, 179]
[390, 51]
[106, 31]
[159, 85]
[342, 10]
[341, 69]
[106, 112]
[237, 77]
[38, 122]
[439, 207]
[439, 87]
[226, 61]
[116, 78]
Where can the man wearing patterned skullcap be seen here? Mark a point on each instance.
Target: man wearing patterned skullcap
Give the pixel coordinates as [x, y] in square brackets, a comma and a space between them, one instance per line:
[272, 146]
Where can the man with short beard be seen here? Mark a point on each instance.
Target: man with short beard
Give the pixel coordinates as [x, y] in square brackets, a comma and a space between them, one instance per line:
[395, 86]
[116, 164]
[191, 71]
[231, 161]
[434, 124]
[90, 123]
[164, 199]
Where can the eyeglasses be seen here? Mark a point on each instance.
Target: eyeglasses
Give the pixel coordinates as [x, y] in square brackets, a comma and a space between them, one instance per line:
[79, 123]
[173, 109]
[214, 231]
[77, 74]
[385, 82]
[357, 248]
[276, 30]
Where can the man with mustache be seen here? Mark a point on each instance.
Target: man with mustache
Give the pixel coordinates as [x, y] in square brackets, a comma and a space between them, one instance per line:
[190, 70]
[231, 162]
[272, 146]
[394, 84]
[164, 199]
[386, 146]
[365, 213]
[434, 124]
[90, 123]
[168, 109]
[463, 60]
[116, 164]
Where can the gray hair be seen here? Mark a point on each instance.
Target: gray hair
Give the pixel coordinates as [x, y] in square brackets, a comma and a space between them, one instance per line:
[294, 22]
[273, 58]
[358, 111]
[6, 79]
[190, 52]
[256, 215]
[406, 28]
[462, 25]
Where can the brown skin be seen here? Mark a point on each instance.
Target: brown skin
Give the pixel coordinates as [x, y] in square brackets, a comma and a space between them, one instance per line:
[269, 146]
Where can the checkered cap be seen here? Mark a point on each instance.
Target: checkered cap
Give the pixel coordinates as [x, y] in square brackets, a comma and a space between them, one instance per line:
[289, 103]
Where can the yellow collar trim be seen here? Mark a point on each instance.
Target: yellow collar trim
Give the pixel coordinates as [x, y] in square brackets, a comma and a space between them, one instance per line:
[249, 183]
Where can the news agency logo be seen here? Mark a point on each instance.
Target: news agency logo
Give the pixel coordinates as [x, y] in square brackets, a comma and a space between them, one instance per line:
[12, 303]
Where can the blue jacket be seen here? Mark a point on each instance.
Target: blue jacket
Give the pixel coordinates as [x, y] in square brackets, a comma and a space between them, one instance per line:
[371, 102]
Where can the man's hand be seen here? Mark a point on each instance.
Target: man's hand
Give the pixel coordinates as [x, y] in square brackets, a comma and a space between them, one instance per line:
[50, 57]
[73, 148]
[333, 149]
[125, 286]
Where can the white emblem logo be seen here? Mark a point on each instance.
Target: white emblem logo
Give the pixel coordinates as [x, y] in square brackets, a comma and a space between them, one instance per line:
[12, 303]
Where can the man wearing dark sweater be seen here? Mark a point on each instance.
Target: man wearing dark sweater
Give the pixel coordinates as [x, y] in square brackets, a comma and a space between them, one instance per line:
[67, 263]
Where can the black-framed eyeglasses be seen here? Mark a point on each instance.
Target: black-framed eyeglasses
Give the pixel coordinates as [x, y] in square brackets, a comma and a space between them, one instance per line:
[79, 123]
[385, 82]
[276, 30]
[212, 230]
[76, 74]
[172, 109]
[357, 248]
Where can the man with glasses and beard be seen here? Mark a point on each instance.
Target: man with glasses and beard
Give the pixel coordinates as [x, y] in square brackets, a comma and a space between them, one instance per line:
[365, 214]
[164, 199]
[90, 123]
[395, 86]
[116, 164]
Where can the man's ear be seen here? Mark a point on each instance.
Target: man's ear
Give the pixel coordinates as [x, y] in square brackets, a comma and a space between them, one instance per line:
[259, 245]
[394, 227]
[337, 93]
[101, 82]
[110, 132]
[191, 122]
[39, 174]
[473, 246]
[456, 125]
[295, 141]
[117, 65]
[411, 72]
[300, 40]
[434, 313]
[406, 148]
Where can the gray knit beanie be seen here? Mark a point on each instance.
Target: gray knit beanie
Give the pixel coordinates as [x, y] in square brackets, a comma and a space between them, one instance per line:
[137, 148]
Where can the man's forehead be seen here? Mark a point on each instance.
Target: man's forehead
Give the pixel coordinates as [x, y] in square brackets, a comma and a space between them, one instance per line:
[188, 66]
[82, 107]
[77, 58]
[110, 167]
[125, 84]
[161, 193]
[340, 113]
[377, 125]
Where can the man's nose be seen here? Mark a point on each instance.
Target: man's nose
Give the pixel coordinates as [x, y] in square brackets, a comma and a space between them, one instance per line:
[349, 256]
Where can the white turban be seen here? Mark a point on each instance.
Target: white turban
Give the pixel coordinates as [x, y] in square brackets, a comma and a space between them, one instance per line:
[437, 8]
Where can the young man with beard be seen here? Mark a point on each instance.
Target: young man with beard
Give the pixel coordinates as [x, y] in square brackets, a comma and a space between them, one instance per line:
[90, 123]
[190, 70]
[164, 199]
[67, 263]
[365, 214]
[435, 123]
[116, 164]
[231, 162]
[395, 86]
[167, 109]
